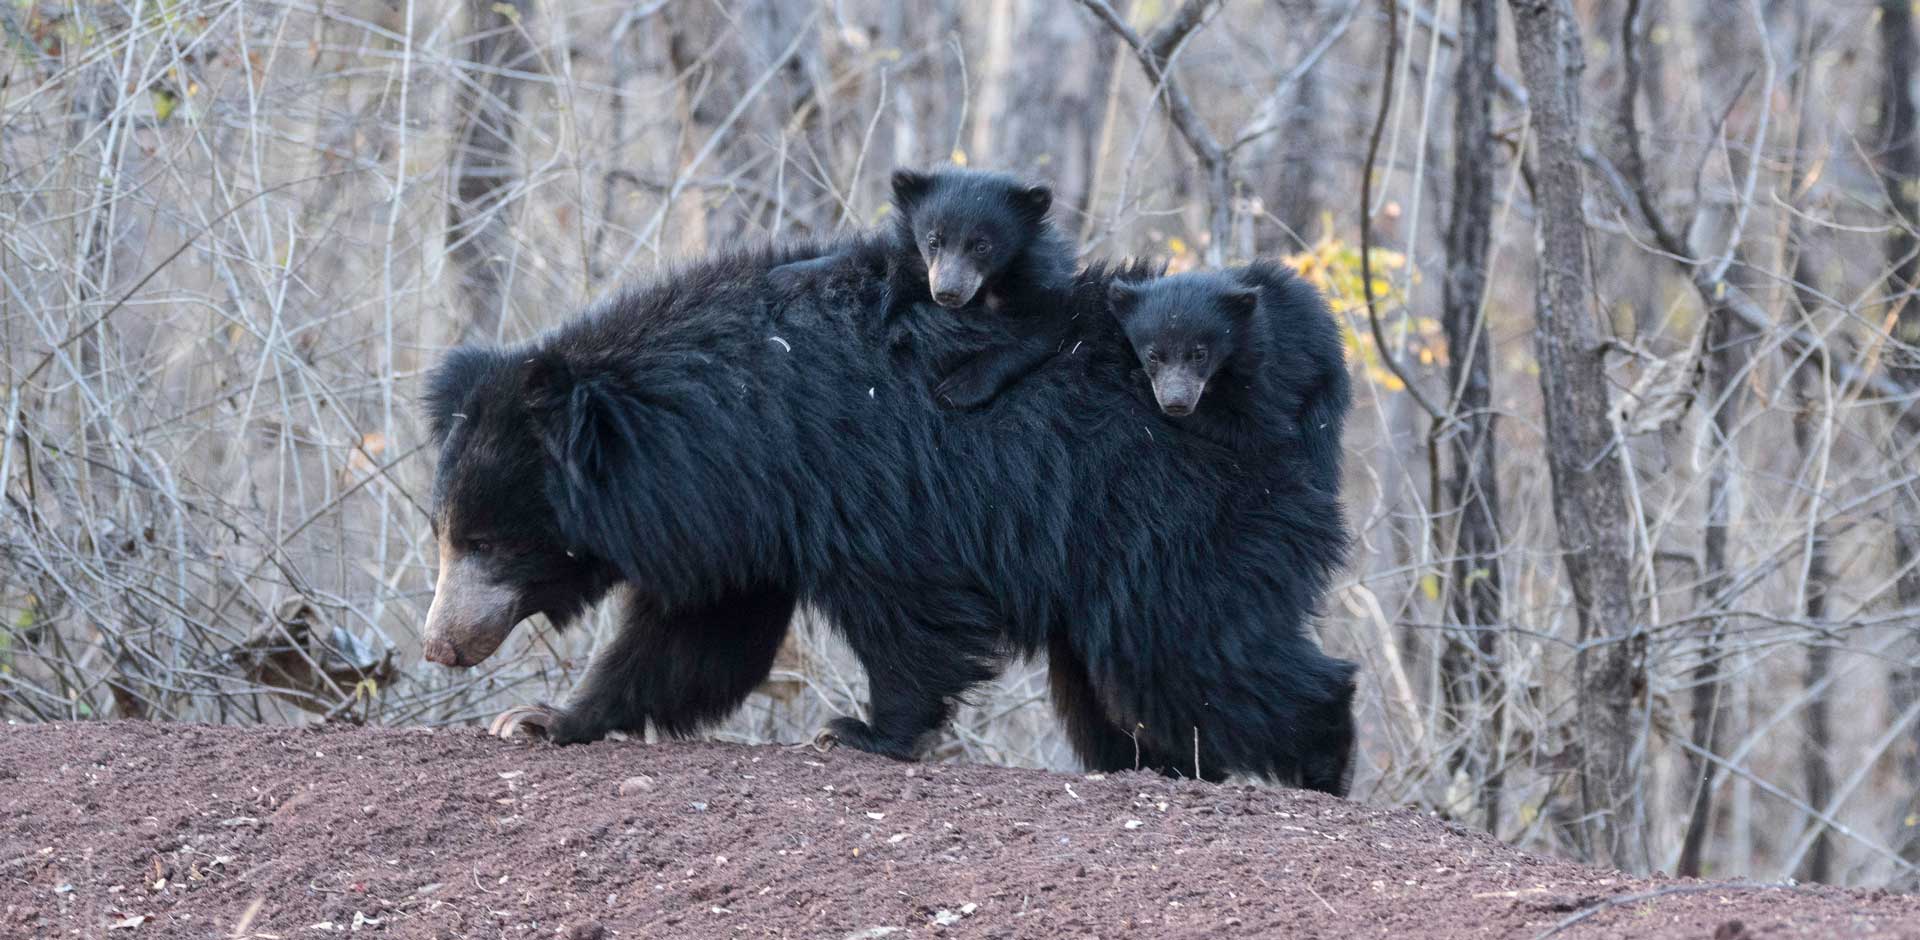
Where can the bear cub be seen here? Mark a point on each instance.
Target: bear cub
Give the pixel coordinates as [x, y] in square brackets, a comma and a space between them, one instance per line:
[977, 243]
[1242, 356]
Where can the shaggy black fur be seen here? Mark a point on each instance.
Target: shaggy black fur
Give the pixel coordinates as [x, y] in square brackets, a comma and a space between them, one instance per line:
[1250, 357]
[725, 448]
[977, 243]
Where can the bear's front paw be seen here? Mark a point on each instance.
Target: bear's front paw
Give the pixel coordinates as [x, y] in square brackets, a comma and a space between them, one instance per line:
[536, 720]
[967, 387]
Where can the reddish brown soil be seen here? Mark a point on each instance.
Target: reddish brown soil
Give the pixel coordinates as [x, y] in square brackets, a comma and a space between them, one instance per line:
[143, 831]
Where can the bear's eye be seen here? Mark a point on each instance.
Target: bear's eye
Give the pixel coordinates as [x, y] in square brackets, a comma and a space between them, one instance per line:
[1198, 354]
[479, 546]
[980, 247]
[1153, 356]
[933, 239]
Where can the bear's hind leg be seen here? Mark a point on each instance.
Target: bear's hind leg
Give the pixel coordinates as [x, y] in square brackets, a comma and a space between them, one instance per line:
[1101, 744]
[1099, 741]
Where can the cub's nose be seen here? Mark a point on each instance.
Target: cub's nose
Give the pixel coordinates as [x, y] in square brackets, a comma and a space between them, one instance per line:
[947, 298]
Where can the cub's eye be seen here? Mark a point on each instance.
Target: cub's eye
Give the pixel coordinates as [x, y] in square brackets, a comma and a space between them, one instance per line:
[479, 546]
[933, 239]
[1153, 356]
[1198, 354]
[981, 247]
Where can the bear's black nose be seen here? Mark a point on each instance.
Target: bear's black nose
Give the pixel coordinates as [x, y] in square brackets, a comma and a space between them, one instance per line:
[1179, 410]
[947, 298]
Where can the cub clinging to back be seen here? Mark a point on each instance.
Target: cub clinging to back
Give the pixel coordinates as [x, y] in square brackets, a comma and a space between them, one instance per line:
[1243, 356]
[977, 243]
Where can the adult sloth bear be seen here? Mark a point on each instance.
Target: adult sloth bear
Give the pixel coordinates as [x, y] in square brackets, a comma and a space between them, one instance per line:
[720, 450]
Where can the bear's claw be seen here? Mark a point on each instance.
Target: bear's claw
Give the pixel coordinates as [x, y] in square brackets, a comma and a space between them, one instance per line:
[826, 740]
[537, 720]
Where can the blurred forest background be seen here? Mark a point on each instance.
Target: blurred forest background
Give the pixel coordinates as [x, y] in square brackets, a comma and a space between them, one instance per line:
[1628, 289]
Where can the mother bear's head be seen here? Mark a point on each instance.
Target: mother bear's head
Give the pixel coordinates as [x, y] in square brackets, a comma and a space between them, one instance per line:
[497, 416]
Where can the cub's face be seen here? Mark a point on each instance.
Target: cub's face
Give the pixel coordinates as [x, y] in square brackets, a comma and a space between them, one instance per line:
[1182, 334]
[968, 228]
[501, 558]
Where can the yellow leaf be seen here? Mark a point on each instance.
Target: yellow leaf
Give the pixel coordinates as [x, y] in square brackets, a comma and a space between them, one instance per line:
[507, 10]
[1430, 586]
[1912, 820]
[164, 102]
[959, 157]
[1177, 245]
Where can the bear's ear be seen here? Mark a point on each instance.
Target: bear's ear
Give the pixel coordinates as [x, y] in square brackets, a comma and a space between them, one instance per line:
[581, 416]
[547, 382]
[1034, 201]
[1124, 298]
[1241, 303]
[909, 187]
[450, 386]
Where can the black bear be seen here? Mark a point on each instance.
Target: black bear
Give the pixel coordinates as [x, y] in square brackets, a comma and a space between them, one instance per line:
[970, 241]
[721, 451]
[1258, 343]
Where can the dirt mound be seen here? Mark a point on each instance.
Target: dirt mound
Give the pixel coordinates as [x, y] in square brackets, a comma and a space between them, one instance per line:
[139, 831]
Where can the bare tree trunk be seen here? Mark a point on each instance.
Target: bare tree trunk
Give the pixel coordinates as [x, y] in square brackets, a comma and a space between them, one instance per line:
[1816, 721]
[1817, 758]
[1589, 485]
[1900, 165]
[990, 116]
[1470, 662]
[486, 105]
[1728, 343]
[1056, 136]
[1298, 198]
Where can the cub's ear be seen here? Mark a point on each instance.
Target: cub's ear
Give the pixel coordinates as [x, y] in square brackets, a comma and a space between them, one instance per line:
[1034, 201]
[909, 187]
[1122, 297]
[1241, 303]
[450, 386]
